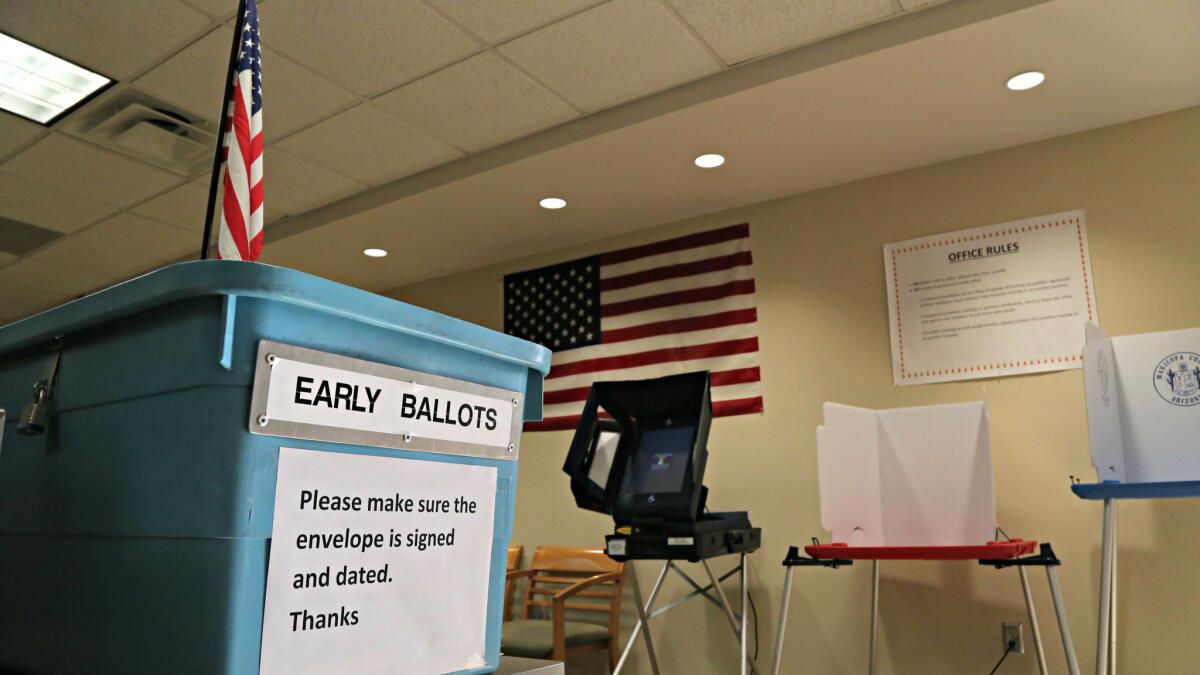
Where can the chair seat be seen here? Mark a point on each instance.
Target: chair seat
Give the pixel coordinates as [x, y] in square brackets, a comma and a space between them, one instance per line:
[534, 638]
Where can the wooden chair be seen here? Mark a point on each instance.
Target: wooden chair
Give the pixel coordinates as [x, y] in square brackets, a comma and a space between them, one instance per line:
[559, 578]
[515, 553]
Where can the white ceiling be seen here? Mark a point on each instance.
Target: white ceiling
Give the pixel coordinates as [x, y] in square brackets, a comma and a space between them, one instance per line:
[389, 121]
[359, 94]
[920, 102]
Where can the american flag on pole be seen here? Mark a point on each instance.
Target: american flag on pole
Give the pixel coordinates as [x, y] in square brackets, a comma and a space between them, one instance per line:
[674, 306]
[240, 237]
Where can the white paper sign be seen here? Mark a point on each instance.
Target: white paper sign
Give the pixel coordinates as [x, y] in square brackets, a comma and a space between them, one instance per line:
[332, 397]
[999, 300]
[378, 565]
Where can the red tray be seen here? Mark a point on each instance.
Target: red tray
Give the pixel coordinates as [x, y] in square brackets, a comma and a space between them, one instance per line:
[993, 550]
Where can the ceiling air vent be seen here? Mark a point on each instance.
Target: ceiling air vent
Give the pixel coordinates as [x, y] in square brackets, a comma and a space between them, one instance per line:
[136, 124]
[157, 135]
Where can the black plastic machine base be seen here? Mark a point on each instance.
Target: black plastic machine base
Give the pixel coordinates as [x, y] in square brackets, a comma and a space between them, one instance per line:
[715, 534]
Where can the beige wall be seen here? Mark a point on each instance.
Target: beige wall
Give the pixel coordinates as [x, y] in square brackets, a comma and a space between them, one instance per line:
[824, 336]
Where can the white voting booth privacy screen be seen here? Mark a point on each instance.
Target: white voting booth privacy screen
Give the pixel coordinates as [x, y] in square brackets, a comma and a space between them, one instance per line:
[1143, 404]
[906, 476]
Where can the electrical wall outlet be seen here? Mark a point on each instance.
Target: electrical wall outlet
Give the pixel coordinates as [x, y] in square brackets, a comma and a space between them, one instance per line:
[1011, 632]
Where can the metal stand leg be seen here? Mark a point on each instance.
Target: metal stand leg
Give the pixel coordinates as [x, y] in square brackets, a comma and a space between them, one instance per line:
[871, 660]
[783, 616]
[733, 621]
[1104, 619]
[1060, 611]
[1033, 622]
[641, 610]
[745, 611]
[1112, 601]
[637, 629]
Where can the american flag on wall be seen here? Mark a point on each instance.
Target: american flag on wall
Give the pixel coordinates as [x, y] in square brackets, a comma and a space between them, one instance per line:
[674, 306]
[240, 235]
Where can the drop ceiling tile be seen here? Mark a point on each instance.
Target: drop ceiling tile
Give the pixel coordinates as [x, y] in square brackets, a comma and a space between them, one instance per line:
[910, 5]
[120, 247]
[613, 53]
[477, 103]
[369, 145]
[293, 185]
[20, 301]
[744, 30]
[194, 79]
[39, 204]
[117, 38]
[158, 242]
[218, 9]
[296, 96]
[15, 132]
[32, 272]
[368, 46]
[182, 207]
[497, 21]
[83, 169]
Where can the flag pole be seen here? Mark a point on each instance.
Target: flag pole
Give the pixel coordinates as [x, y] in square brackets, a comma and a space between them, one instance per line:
[216, 165]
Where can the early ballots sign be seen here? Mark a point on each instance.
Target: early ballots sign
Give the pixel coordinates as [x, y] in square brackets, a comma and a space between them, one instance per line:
[378, 565]
[303, 393]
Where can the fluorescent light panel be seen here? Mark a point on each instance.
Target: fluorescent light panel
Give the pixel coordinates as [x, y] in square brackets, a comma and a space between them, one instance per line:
[38, 85]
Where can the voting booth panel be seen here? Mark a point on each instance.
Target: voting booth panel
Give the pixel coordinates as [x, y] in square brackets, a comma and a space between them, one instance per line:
[136, 524]
[907, 476]
[1143, 404]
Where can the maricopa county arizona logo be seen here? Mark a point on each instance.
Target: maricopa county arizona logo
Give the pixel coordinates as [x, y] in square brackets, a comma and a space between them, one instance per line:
[1177, 378]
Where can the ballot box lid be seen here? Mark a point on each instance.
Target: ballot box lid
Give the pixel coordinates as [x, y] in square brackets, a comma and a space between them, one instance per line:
[246, 279]
[993, 550]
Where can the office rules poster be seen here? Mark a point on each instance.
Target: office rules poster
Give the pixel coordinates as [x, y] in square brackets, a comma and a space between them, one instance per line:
[1004, 299]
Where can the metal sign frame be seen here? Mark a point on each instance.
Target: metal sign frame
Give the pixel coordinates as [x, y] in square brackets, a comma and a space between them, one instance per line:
[260, 424]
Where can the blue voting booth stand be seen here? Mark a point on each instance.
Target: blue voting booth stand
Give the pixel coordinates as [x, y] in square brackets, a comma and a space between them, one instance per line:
[1143, 403]
[136, 502]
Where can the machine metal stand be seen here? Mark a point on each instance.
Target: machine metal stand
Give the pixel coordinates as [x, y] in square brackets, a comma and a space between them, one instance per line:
[1044, 558]
[790, 563]
[646, 611]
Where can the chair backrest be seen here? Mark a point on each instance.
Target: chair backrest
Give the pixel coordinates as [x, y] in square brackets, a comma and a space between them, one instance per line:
[556, 567]
[515, 553]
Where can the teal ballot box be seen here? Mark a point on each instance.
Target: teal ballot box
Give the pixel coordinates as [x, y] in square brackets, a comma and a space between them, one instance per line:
[227, 467]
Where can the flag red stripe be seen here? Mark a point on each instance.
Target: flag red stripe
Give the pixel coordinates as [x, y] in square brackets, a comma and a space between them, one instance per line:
[740, 406]
[233, 218]
[678, 244]
[688, 269]
[702, 294]
[717, 379]
[680, 325]
[256, 196]
[240, 127]
[706, 351]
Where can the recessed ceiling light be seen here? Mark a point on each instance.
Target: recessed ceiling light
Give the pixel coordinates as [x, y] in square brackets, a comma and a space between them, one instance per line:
[709, 161]
[1026, 80]
[38, 85]
[374, 252]
[553, 203]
